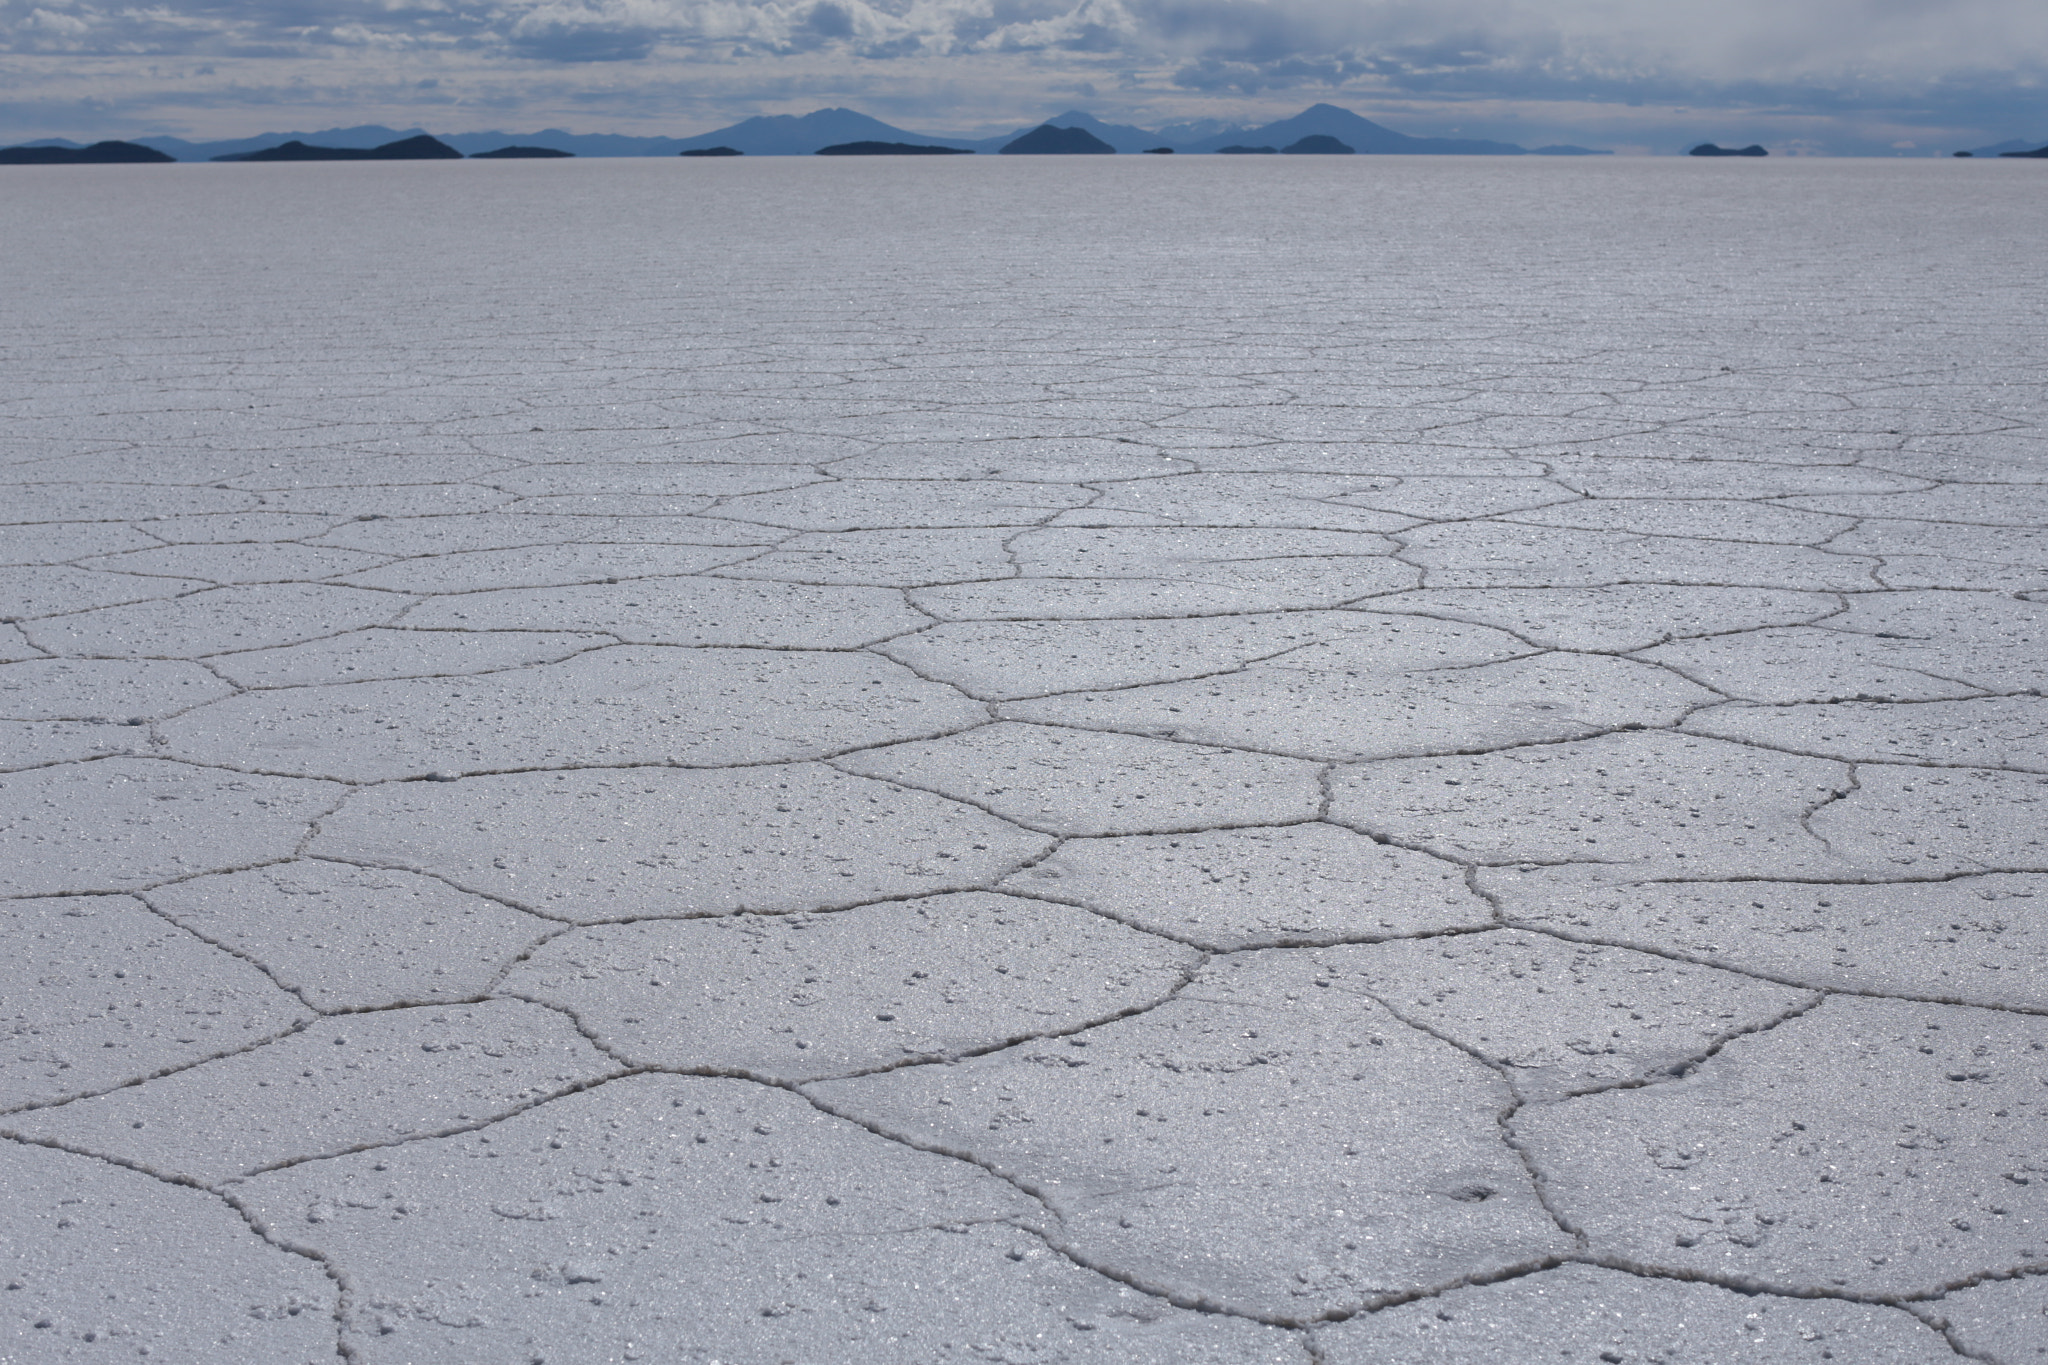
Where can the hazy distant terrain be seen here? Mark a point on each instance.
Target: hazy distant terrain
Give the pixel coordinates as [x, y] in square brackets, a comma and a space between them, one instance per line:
[803, 135]
[806, 134]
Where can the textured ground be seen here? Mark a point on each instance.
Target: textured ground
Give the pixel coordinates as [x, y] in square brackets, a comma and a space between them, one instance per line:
[1399, 761]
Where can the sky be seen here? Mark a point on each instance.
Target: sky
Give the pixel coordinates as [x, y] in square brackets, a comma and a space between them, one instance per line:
[1840, 77]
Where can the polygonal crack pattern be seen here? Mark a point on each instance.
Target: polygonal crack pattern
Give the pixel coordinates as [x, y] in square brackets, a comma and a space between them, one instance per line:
[1214, 799]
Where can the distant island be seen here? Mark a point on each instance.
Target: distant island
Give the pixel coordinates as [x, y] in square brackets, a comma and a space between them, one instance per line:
[711, 151]
[1318, 144]
[2027, 146]
[421, 148]
[512, 152]
[98, 154]
[1709, 149]
[890, 149]
[2038, 151]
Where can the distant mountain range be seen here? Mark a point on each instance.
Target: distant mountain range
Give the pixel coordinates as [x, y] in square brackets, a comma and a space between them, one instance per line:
[803, 135]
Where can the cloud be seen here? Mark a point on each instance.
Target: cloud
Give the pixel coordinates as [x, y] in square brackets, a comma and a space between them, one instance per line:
[1176, 57]
[57, 25]
[578, 33]
[1721, 41]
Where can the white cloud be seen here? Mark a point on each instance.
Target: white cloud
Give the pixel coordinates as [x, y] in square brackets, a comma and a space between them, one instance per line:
[58, 25]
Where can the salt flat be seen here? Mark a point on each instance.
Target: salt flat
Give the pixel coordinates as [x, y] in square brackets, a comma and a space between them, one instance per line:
[1299, 760]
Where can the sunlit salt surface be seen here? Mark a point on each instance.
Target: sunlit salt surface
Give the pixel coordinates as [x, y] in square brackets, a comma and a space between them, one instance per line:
[1123, 759]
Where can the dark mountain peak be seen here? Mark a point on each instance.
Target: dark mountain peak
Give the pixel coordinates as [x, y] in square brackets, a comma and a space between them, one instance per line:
[1122, 137]
[1356, 131]
[98, 154]
[801, 134]
[1047, 140]
[1324, 117]
[1118, 137]
[292, 150]
[421, 148]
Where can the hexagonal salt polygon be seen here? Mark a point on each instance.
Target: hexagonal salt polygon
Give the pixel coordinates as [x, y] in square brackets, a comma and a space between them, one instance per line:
[118, 824]
[540, 566]
[218, 620]
[1872, 1146]
[999, 660]
[884, 559]
[1080, 782]
[1806, 664]
[788, 1233]
[1972, 940]
[1226, 890]
[58, 589]
[103, 1262]
[349, 937]
[1561, 1017]
[100, 992]
[877, 504]
[1736, 520]
[1620, 617]
[1583, 1312]
[797, 997]
[1263, 1143]
[1495, 555]
[254, 562]
[1904, 821]
[1308, 502]
[1640, 804]
[83, 689]
[1337, 702]
[685, 611]
[598, 846]
[632, 705]
[339, 1085]
[1983, 732]
[368, 655]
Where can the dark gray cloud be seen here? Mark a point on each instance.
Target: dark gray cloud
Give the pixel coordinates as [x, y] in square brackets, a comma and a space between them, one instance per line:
[575, 39]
